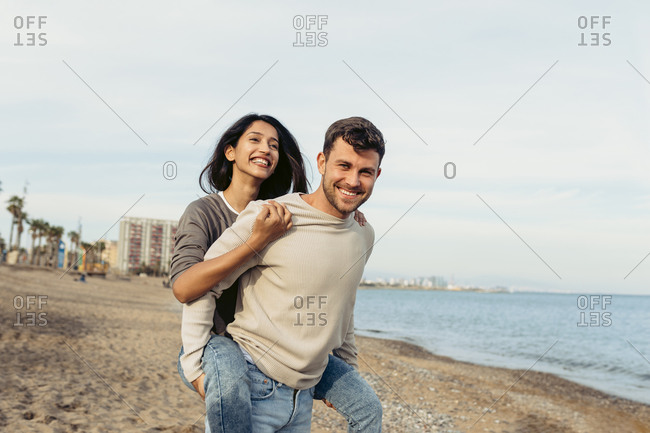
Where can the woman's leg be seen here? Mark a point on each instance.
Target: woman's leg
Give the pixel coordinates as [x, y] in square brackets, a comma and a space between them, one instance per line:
[351, 395]
[227, 387]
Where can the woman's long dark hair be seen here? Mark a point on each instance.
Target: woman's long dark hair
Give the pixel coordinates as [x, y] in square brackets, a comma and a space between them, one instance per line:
[217, 175]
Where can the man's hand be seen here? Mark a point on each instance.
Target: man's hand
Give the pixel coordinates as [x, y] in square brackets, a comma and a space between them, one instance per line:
[328, 404]
[198, 386]
[273, 221]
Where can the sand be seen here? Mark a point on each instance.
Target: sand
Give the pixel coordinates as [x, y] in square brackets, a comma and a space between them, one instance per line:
[100, 356]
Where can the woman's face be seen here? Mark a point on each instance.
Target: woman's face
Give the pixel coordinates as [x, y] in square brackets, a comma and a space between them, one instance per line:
[257, 152]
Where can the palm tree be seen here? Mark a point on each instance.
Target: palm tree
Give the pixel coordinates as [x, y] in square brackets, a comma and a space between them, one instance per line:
[49, 245]
[74, 241]
[36, 227]
[33, 230]
[43, 233]
[55, 234]
[22, 216]
[15, 208]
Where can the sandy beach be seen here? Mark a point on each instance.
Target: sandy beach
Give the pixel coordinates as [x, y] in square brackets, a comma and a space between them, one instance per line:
[100, 356]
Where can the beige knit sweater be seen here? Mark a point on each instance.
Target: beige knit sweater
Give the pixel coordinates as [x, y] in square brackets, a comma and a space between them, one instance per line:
[296, 297]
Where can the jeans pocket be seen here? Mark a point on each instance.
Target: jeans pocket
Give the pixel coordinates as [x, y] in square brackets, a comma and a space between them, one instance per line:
[262, 387]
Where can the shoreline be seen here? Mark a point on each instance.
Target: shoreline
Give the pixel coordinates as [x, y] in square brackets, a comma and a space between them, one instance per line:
[106, 361]
[433, 289]
[492, 291]
[587, 383]
[458, 396]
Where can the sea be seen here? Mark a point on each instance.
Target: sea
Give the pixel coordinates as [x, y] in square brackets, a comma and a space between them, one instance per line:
[601, 341]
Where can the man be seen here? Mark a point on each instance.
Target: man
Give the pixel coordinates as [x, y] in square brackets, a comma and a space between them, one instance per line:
[296, 296]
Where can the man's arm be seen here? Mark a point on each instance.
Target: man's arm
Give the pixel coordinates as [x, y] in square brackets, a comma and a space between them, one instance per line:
[348, 350]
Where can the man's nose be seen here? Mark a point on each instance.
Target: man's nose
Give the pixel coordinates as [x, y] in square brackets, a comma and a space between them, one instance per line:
[353, 179]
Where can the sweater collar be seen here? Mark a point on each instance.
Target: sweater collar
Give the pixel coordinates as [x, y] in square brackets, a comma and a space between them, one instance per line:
[321, 215]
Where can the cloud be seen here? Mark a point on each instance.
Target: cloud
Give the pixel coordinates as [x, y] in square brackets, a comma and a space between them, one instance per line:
[565, 166]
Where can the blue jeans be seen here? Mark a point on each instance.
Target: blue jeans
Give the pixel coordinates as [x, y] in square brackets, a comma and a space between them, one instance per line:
[278, 407]
[229, 411]
[227, 387]
[351, 395]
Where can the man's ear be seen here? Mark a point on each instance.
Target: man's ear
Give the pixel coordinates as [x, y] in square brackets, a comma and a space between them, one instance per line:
[378, 172]
[321, 161]
[229, 153]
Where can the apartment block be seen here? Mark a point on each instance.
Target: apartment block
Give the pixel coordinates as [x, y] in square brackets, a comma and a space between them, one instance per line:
[145, 240]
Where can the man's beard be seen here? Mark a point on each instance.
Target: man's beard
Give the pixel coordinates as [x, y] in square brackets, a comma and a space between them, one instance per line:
[333, 199]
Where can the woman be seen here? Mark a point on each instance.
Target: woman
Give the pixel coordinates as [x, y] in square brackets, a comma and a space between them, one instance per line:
[256, 158]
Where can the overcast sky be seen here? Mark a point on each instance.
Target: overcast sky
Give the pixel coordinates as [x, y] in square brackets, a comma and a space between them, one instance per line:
[545, 122]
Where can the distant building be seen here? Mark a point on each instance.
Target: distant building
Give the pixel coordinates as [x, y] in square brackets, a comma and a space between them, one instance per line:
[145, 241]
[109, 253]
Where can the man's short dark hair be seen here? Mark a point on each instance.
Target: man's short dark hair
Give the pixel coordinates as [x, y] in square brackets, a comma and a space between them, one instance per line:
[358, 132]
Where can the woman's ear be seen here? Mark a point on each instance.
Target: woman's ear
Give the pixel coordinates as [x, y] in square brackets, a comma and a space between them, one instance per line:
[229, 153]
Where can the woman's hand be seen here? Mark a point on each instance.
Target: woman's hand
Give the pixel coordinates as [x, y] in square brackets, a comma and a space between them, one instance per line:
[360, 217]
[198, 385]
[272, 222]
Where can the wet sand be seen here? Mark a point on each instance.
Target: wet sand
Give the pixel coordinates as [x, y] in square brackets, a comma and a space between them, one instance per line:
[101, 357]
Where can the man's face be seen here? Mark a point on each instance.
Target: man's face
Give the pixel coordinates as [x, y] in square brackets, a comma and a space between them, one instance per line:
[348, 177]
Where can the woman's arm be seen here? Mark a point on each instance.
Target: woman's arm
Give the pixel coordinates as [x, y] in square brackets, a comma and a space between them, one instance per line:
[196, 324]
[272, 222]
[198, 315]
